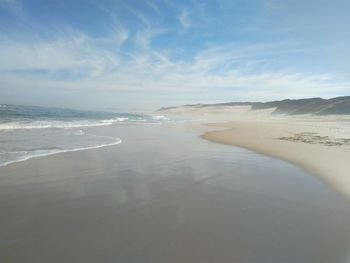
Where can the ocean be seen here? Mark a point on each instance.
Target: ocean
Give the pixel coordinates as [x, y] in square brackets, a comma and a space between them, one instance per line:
[31, 131]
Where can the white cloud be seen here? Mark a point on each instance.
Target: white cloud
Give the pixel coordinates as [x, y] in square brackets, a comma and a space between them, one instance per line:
[184, 19]
[153, 6]
[144, 37]
[142, 17]
[154, 71]
[103, 65]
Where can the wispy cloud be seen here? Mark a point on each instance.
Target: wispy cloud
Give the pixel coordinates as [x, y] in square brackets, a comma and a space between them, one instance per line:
[153, 6]
[146, 57]
[144, 37]
[140, 16]
[154, 71]
[184, 19]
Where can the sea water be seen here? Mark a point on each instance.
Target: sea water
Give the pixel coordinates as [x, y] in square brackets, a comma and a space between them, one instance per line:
[30, 131]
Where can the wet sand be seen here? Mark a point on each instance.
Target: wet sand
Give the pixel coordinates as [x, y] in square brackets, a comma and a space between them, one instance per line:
[318, 144]
[311, 148]
[165, 195]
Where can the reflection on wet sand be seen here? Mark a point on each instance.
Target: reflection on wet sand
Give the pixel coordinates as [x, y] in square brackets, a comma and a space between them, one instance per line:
[167, 196]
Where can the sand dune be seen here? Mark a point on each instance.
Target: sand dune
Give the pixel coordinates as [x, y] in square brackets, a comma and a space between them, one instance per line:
[314, 106]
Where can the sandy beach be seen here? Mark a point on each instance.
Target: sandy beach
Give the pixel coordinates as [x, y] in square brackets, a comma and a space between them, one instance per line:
[190, 200]
[318, 144]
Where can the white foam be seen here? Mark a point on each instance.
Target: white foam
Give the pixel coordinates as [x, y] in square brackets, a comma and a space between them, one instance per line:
[42, 153]
[160, 117]
[122, 119]
[58, 124]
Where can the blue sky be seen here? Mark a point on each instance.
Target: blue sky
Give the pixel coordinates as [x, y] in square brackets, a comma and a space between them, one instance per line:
[140, 55]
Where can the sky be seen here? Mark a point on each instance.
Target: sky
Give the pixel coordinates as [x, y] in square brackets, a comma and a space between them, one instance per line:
[134, 55]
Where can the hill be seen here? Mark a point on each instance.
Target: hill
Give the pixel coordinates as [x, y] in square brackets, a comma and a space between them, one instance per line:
[314, 106]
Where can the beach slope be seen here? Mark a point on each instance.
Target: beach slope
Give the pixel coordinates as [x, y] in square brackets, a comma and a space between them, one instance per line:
[318, 144]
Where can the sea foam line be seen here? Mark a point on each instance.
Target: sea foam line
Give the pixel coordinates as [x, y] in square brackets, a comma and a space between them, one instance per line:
[58, 124]
[19, 125]
[25, 158]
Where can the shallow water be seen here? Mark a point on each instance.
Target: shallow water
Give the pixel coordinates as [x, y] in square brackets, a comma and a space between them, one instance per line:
[28, 132]
[165, 195]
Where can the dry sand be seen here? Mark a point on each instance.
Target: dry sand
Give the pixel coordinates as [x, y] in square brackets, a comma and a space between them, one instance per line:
[319, 144]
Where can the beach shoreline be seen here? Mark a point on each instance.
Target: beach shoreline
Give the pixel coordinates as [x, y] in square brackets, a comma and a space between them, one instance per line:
[123, 203]
[318, 144]
[321, 156]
